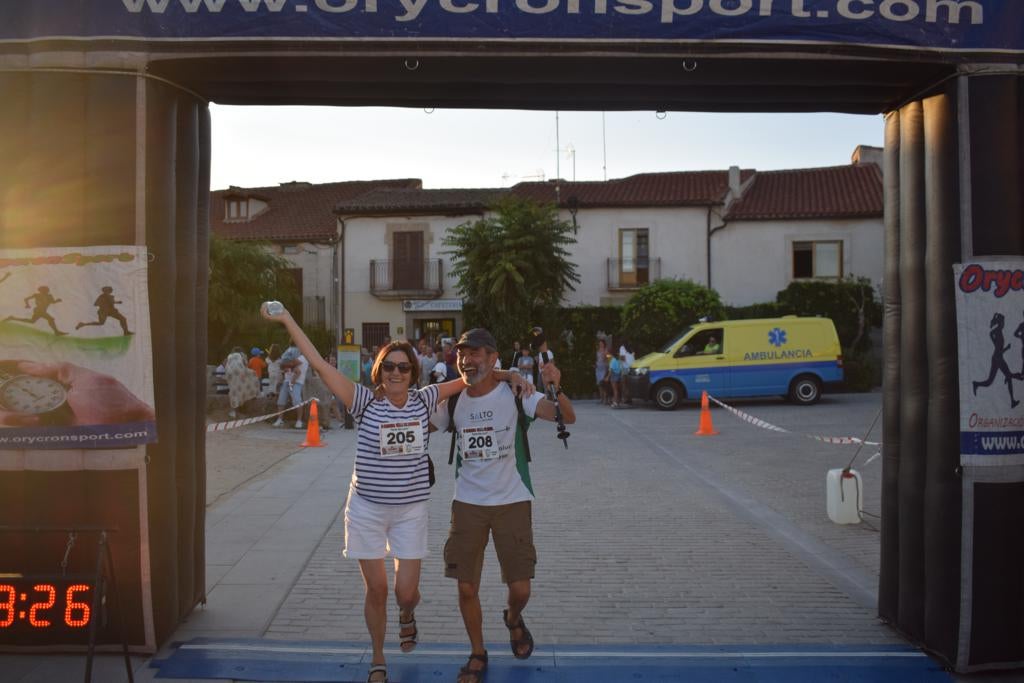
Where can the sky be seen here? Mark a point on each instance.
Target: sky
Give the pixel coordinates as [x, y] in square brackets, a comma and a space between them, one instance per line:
[452, 148]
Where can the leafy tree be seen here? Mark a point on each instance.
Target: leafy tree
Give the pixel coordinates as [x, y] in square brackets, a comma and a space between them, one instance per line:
[660, 310]
[512, 267]
[242, 276]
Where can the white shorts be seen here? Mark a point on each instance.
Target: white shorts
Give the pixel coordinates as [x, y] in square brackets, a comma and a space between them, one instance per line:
[374, 531]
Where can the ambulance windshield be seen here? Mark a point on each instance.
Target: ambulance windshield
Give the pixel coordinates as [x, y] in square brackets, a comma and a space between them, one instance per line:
[675, 340]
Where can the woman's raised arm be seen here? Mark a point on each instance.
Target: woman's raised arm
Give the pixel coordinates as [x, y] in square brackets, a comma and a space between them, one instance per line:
[340, 385]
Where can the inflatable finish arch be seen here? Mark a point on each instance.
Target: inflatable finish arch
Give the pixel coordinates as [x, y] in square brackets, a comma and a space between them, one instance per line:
[104, 140]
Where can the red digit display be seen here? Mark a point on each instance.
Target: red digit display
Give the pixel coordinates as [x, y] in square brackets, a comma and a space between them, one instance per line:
[82, 608]
[46, 609]
[51, 598]
[7, 605]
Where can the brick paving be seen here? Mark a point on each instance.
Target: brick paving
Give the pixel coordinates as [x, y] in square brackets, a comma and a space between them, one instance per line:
[648, 534]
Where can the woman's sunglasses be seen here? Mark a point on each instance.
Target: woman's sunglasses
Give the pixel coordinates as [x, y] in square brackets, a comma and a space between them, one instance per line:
[388, 366]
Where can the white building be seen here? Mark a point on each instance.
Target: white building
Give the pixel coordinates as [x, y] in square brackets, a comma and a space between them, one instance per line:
[298, 220]
[814, 223]
[747, 234]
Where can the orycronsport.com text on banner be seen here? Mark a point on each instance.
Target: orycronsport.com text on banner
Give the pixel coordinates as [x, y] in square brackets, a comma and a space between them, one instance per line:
[989, 25]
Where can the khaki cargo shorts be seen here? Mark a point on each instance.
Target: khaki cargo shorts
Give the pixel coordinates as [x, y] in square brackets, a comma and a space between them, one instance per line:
[512, 528]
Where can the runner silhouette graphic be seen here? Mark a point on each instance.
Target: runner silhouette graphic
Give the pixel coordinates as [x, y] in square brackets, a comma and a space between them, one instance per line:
[43, 299]
[999, 347]
[105, 303]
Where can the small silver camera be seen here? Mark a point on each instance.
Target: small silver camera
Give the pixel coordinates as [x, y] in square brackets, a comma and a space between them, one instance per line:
[275, 307]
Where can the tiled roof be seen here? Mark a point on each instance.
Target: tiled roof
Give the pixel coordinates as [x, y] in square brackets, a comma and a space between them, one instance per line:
[682, 188]
[390, 201]
[296, 211]
[300, 211]
[834, 192]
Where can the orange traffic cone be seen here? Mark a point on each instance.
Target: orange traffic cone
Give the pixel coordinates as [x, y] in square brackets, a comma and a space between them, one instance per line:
[313, 428]
[706, 428]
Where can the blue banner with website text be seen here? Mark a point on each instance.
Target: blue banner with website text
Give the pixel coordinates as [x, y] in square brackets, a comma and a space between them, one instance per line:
[948, 25]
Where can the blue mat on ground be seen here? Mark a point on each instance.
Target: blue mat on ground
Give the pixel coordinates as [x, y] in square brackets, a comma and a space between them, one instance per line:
[329, 662]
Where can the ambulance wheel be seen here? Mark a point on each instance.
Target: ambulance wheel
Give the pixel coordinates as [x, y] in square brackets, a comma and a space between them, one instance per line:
[667, 395]
[805, 390]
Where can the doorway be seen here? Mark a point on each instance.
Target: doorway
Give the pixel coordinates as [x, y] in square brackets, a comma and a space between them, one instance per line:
[433, 329]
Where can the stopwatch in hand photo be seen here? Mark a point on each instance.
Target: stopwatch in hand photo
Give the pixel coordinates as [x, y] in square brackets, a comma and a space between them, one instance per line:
[30, 395]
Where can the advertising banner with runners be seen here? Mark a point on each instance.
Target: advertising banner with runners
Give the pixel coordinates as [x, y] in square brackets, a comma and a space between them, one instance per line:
[990, 337]
[76, 366]
[941, 25]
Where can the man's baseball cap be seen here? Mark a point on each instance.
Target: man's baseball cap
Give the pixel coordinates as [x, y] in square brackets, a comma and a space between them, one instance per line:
[477, 338]
[256, 351]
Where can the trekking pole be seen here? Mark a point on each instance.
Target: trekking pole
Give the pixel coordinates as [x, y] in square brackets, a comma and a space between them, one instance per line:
[563, 433]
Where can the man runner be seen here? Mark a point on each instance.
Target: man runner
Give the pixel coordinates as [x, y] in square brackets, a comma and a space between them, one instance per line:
[493, 492]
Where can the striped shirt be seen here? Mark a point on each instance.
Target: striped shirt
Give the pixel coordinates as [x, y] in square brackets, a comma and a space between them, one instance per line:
[393, 480]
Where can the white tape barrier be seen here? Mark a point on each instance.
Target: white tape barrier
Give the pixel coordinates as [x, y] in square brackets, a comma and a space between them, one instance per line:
[757, 422]
[233, 424]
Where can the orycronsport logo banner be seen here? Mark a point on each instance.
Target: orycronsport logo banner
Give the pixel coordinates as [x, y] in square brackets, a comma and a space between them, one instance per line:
[960, 25]
[990, 340]
[76, 360]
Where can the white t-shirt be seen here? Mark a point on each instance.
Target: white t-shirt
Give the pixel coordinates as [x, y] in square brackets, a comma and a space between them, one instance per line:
[629, 359]
[491, 466]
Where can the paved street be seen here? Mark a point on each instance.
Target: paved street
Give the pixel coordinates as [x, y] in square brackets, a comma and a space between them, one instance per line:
[648, 534]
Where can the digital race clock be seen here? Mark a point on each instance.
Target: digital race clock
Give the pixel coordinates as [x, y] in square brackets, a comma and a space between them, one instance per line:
[41, 609]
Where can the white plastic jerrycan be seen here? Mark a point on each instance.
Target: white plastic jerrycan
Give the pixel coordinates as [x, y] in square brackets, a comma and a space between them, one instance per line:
[844, 496]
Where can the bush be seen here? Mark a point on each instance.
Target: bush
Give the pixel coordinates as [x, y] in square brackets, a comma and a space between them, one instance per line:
[769, 309]
[842, 301]
[861, 372]
[659, 311]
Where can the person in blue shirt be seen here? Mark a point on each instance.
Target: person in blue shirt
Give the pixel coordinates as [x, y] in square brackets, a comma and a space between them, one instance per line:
[615, 378]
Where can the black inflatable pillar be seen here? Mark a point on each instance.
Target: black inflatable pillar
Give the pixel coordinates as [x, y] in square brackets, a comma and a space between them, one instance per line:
[92, 158]
[952, 572]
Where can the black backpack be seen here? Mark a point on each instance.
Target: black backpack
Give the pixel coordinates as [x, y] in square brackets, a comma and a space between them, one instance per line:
[522, 424]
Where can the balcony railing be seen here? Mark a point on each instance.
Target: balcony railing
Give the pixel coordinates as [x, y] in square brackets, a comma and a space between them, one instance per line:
[399, 279]
[625, 274]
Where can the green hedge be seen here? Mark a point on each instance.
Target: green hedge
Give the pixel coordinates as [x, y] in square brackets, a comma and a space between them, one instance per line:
[572, 336]
[836, 300]
[768, 309]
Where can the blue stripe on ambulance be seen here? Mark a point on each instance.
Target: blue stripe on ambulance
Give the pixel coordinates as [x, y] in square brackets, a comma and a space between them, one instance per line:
[756, 379]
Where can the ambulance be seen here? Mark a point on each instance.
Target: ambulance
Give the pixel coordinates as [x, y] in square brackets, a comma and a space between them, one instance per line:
[793, 357]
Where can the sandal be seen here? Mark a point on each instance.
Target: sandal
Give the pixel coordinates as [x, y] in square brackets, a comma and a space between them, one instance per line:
[525, 639]
[477, 674]
[408, 643]
[376, 669]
